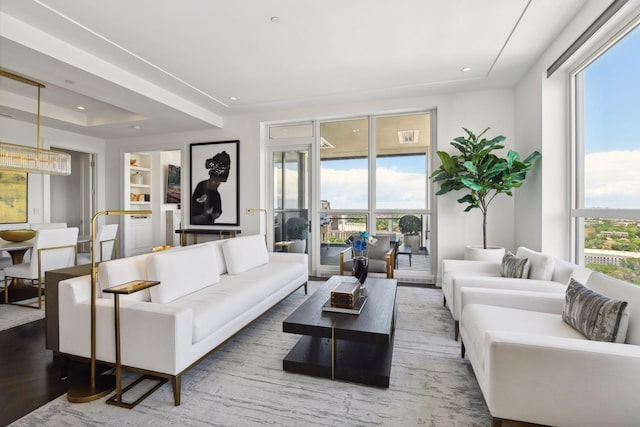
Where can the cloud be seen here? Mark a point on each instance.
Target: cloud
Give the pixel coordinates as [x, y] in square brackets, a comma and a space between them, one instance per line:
[347, 189]
[612, 179]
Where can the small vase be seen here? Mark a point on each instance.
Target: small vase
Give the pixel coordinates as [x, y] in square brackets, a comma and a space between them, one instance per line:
[361, 269]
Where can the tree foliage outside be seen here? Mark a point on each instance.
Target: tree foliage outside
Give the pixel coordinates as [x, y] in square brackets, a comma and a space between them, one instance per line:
[616, 235]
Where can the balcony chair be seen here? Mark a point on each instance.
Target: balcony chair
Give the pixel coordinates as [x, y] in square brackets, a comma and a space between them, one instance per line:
[106, 239]
[381, 256]
[52, 249]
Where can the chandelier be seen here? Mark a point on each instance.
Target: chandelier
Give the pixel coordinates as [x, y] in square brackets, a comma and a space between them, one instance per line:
[32, 159]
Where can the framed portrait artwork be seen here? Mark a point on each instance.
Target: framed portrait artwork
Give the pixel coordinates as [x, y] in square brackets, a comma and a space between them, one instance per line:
[173, 184]
[215, 183]
[13, 199]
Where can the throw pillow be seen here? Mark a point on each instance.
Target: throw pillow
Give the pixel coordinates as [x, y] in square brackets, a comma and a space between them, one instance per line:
[244, 253]
[513, 266]
[596, 316]
[540, 265]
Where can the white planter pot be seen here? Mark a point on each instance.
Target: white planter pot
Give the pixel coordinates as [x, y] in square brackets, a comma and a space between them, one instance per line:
[412, 240]
[478, 253]
[298, 246]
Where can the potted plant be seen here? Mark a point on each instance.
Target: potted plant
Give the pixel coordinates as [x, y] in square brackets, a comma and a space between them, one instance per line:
[481, 173]
[297, 232]
[411, 226]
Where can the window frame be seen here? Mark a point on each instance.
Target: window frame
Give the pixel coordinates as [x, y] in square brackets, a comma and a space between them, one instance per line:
[578, 213]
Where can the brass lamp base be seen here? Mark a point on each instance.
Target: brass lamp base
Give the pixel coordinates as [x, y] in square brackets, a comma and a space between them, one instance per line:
[82, 392]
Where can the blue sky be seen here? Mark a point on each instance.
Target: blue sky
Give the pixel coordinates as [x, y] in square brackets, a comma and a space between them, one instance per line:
[611, 117]
[612, 97]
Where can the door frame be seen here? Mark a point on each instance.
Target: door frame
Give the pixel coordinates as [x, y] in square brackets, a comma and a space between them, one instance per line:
[293, 144]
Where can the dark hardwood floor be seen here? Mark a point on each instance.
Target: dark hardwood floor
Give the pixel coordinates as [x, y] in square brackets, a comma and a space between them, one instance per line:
[30, 375]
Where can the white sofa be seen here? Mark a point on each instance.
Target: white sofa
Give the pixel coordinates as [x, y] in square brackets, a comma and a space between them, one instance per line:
[546, 274]
[207, 293]
[533, 367]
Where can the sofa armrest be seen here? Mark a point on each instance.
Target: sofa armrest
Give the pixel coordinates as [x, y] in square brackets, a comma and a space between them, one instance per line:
[531, 285]
[156, 337]
[469, 266]
[561, 381]
[547, 302]
[453, 267]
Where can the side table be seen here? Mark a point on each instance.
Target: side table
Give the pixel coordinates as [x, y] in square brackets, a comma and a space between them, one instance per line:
[126, 289]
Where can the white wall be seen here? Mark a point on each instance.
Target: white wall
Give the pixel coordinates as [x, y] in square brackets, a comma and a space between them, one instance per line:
[474, 110]
[24, 133]
[543, 205]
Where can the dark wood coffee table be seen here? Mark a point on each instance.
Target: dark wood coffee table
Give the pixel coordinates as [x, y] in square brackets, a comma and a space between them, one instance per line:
[349, 347]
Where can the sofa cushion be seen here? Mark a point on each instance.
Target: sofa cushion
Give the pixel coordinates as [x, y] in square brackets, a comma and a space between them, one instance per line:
[123, 270]
[244, 253]
[540, 266]
[182, 272]
[597, 316]
[513, 266]
[219, 305]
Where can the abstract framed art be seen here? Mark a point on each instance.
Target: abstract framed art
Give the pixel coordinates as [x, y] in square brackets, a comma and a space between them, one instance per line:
[13, 197]
[215, 183]
[173, 193]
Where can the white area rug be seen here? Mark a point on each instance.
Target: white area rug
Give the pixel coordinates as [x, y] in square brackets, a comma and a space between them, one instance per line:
[243, 383]
[13, 315]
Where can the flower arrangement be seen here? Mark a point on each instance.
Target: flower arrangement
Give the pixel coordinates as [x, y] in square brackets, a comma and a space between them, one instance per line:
[361, 246]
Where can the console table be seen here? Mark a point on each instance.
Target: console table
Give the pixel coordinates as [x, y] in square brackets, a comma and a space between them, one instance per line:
[223, 233]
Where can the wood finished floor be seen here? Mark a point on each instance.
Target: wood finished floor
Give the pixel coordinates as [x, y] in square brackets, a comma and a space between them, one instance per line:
[30, 376]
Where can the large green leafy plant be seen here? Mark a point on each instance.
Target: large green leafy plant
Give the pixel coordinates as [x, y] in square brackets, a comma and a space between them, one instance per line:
[481, 172]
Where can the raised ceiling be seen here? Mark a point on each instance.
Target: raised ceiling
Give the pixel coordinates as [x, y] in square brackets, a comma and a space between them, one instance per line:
[173, 66]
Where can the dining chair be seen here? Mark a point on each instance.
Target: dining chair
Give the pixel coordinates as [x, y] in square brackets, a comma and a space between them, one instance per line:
[48, 225]
[106, 239]
[52, 249]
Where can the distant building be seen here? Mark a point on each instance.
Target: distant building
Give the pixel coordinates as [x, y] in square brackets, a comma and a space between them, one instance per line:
[605, 257]
[613, 234]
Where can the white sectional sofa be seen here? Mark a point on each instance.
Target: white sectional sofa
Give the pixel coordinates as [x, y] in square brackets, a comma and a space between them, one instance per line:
[207, 293]
[534, 367]
[546, 274]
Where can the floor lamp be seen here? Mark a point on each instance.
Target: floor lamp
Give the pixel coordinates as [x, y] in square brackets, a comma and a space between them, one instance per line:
[104, 384]
[254, 210]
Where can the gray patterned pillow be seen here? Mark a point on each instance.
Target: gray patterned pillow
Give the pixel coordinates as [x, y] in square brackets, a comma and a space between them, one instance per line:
[513, 266]
[596, 316]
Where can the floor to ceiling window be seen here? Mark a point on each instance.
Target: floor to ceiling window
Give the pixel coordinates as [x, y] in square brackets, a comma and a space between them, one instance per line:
[364, 192]
[607, 153]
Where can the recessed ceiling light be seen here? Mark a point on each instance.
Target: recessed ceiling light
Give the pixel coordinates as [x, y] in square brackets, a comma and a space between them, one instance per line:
[466, 69]
[80, 107]
[355, 130]
[233, 98]
[275, 19]
[136, 127]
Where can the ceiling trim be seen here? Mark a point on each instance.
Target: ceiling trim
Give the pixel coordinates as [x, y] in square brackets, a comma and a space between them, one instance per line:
[33, 38]
[128, 52]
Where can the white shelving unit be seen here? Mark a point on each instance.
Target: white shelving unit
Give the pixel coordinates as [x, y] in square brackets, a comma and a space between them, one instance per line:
[138, 193]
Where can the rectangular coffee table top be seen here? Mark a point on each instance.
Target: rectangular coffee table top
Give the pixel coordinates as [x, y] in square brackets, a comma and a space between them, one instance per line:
[374, 324]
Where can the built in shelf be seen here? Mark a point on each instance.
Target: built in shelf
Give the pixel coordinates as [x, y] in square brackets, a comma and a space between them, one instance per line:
[139, 169]
[139, 185]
